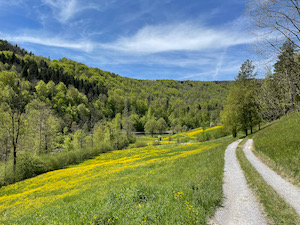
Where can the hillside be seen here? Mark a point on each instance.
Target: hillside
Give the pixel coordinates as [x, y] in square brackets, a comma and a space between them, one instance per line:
[68, 110]
[178, 102]
[279, 146]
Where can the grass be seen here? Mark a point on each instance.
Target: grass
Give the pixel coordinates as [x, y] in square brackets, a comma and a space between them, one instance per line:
[279, 147]
[189, 136]
[195, 134]
[149, 140]
[277, 210]
[30, 165]
[166, 184]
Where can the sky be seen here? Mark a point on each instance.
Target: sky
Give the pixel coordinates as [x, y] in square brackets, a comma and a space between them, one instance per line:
[145, 39]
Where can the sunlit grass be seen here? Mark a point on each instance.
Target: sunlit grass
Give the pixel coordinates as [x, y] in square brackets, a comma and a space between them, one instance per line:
[276, 209]
[167, 184]
[189, 136]
[279, 146]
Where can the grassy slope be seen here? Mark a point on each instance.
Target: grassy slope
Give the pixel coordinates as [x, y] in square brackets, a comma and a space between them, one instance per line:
[190, 135]
[168, 184]
[193, 134]
[279, 146]
[277, 210]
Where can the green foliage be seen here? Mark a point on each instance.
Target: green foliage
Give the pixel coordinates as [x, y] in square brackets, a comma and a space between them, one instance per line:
[161, 125]
[42, 128]
[151, 126]
[241, 111]
[64, 106]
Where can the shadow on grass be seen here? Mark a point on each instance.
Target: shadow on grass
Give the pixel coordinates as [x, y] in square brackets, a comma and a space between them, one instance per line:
[255, 131]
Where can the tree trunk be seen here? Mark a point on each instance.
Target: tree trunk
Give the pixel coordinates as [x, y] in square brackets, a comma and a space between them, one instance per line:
[259, 126]
[251, 130]
[14, 145]
[246, 132]
[6, 157]
[234, 133]
[46, 143]
[15, 159]
[40, 134]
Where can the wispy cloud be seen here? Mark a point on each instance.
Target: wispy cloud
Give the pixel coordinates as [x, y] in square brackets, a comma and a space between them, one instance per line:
[220, 63]
[178, 37]
[11, 2]
[64, 10]
[83, 45]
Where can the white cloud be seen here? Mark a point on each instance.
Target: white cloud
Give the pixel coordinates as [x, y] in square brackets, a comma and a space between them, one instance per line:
[64, 10]
[84, 46]
[179, 37]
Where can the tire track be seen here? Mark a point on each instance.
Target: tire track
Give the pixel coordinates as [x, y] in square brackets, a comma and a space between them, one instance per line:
[286, 190]
[240, 206]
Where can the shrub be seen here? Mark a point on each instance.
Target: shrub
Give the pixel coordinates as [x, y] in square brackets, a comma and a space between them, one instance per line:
[30, 165]
[140, 144]
[156, 142]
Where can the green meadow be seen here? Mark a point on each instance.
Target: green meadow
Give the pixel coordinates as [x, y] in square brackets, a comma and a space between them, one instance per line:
[165, 184]
[279, 146]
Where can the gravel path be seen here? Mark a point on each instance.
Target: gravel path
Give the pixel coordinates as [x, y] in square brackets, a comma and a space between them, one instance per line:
[240, 206]
[286, 190]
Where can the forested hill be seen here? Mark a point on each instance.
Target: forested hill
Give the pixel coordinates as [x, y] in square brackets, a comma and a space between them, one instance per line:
[103, 94]
[70, 111]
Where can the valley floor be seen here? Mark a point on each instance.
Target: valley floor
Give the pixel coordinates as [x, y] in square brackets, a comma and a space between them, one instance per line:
[166, 184]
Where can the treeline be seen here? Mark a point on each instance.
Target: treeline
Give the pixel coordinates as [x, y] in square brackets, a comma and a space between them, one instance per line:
[54, 113]
[180, 103]
[251, 101]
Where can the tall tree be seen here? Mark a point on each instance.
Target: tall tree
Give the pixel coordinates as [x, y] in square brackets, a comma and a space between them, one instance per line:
[42, 127]
[287, 75]
[151, 126]
[241, 110]
[161, 125]
[14, 97]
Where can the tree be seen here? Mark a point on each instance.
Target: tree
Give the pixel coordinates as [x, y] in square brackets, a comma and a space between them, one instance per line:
[287, 75]
[241, 110]
[100, 134]
[248, 88]
[4, 140]
[151, 126]
[41, 90]
[161, 125]
[14, 97]
[127, 122]
[246, 72]
[270, 98]
[42, 127]
[275, 21]
[79, 139]
[231, 112]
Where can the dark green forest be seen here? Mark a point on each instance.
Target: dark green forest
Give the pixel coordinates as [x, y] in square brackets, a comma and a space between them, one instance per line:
[62, 107]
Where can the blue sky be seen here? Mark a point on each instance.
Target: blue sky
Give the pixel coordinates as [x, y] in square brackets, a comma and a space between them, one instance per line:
[145, 39]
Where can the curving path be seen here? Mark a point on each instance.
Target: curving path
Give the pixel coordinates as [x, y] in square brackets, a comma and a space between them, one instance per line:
[286, 190]
[240, 206]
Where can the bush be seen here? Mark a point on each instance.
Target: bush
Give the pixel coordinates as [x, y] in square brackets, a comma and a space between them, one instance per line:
[203, 137]
[220, 133]
[140, 144]
[30, 165]
[156, 142]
